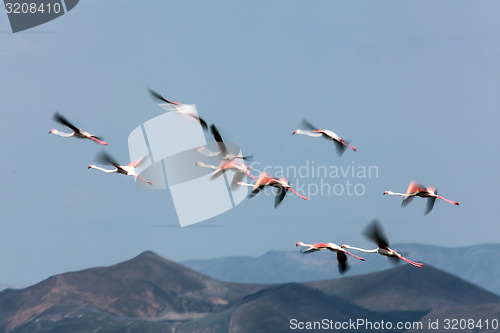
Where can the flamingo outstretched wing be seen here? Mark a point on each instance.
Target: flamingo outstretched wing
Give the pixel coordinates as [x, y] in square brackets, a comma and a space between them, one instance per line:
[280, 195]
[238, 177]
[180, 108]
[342, 262]
[161, 98]
[218, 139]
[62, 120]
[339, 146]
[308, 125]
[375, 233]
[105, 158]
[138, 162]
[413, 188]
[430, 201]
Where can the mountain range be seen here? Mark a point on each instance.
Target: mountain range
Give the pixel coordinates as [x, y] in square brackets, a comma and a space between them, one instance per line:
[152, 294]
[475, 264]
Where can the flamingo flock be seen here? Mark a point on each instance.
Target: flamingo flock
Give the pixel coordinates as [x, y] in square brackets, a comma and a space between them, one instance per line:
[229, 161]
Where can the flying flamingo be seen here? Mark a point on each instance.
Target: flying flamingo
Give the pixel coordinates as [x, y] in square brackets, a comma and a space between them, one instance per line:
[77, 133]
[341, 253]
[240, 170]
[222, 152]
[182, 109]
[375, 233]
[128, 169]
[266, 179]
[417, 190]
[313, 131]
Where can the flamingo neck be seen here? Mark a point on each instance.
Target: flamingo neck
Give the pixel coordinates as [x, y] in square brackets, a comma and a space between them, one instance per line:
[204, 165]
[362, 250]
[104, 170]
[309, 133]
[395, 193]
[66, 135]
[245, 184]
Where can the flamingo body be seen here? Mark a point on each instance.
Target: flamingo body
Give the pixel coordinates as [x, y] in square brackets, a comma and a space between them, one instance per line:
[417, 190]
[128, 169]
[179, 108]
[341, 253]
[266, 179]
[77, 133]
[327, 134]
[240, 171]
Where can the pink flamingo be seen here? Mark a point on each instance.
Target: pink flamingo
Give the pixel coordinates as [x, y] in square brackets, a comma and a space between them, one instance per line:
[222, 152]
[182, 109]
[375, 233]
[341, 253]
[128, 169]
[77, 133]
[417, 190]
[266, 179]
[327, 134]
[240, 170]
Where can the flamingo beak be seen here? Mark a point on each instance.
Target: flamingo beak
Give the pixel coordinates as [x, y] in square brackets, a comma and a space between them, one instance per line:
[294, 132]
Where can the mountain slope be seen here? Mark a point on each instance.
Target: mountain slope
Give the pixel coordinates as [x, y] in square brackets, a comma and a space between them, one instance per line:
[152, 294]
[147, 286]
[406, 288]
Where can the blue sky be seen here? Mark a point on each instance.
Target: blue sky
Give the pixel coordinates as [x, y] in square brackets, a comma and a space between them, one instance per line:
[414, 85]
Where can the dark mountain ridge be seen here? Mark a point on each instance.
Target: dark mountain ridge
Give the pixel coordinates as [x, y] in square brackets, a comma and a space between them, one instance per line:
[406, 288]
[147, 286]
[152, 294]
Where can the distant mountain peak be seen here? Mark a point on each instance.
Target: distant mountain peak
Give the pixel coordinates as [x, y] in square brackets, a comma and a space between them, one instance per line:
[149, 253]
[146, 286]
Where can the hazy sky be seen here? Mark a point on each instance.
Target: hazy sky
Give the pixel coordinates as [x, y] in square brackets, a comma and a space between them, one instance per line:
[414, 85]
